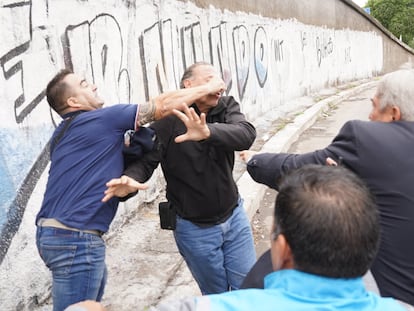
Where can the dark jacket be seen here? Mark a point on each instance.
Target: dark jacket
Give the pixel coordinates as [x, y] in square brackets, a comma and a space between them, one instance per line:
[199, 175]
[382, 154]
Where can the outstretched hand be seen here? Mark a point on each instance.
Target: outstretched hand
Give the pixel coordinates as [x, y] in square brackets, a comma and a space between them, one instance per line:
[246, 155]
[196, 125]
[331, 162]
[120, 187]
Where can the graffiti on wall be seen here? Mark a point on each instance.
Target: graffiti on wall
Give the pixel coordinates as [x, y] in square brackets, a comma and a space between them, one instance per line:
[133, 53]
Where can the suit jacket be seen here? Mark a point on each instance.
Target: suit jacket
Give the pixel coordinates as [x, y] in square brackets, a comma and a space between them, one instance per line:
[382, 154]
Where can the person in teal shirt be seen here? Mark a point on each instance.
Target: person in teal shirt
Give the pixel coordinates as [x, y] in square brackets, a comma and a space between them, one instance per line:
[325, 236]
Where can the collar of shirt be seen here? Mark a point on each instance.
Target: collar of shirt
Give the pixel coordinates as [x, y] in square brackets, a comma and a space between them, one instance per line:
[313, 286]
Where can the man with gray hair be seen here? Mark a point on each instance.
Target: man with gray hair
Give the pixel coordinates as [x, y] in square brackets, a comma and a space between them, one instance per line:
[381, 153]
[196, 153]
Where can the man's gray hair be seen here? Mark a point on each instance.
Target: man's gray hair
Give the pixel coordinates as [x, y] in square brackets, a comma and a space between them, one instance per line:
[397, 89]
[188, 73]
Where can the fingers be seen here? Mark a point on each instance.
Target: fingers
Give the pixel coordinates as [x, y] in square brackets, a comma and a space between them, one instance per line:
[243, 155]
[181, 138]
[187, 115]
[216, 84]
[107, 197]
[331, 162]
[121, 187]
[115, 182]
[246, 155]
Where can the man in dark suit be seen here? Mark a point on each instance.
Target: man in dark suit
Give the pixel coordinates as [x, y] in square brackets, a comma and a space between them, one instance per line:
[381, 152]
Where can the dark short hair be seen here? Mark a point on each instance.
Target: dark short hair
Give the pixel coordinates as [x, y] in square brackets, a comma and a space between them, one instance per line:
[56, 91]
[329, 219]
[188, 73]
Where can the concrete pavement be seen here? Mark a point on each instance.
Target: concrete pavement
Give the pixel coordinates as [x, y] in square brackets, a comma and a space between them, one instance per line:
[143, 262]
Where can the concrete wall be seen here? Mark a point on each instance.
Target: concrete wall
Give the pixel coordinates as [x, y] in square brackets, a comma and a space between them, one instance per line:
[334, 14]
[268, 51]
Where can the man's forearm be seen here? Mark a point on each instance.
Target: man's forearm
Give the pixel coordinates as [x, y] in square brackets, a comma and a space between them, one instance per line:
[146, 113]
[166, 102]
[163, 104]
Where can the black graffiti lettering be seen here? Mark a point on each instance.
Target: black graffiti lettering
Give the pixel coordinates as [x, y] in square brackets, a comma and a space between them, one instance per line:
[192, 44]
[348, 55]
[219, 52]
[303, 37]
[278, 49]
[323, 48]
[157, 71]
[242, 57]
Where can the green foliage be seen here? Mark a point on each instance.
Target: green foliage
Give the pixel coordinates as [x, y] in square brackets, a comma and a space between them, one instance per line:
[395, 15]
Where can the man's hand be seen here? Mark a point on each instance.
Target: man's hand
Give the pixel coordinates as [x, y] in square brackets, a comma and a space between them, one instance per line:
[120, 187]
[164, 104]
[216, 85]
[331, 162]
[197, 128]
[246, 155]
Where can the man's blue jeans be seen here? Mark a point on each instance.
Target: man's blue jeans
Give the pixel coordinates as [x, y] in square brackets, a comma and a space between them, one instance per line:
[77, 263]
[219, 256]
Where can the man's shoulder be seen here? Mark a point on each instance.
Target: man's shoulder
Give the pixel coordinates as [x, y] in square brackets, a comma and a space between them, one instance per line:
[228, 100]
[119, 107]
[378, 127]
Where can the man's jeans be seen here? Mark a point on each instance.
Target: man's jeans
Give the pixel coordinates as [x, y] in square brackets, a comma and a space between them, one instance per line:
[220, 256]
[77, 263]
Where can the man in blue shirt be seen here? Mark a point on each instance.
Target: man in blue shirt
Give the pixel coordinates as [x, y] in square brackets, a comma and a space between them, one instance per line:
[86, 152]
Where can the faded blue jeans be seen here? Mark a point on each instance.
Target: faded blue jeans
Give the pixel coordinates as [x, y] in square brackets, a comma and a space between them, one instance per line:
[219, 256]
[77, 263]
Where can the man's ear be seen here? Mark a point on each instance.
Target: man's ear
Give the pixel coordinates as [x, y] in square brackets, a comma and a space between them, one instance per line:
[282, 257]
[396, 113]
[187, 83]
[73, 102]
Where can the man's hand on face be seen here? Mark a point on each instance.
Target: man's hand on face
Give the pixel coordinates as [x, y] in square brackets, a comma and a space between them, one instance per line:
[121, 187]
[216, 85]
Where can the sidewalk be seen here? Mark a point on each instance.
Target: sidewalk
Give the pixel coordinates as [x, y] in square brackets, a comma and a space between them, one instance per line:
[143, 262]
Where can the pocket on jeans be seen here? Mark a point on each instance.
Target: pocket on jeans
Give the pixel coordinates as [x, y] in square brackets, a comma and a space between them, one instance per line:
[58, 258]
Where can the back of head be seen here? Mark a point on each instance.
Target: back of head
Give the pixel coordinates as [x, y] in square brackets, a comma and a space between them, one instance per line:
[56, 91]
[396, 88]
[329, 220]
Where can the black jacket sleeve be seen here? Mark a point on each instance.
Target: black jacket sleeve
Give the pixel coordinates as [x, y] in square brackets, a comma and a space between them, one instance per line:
[142, 168]
[268, 168]
[235, 133]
